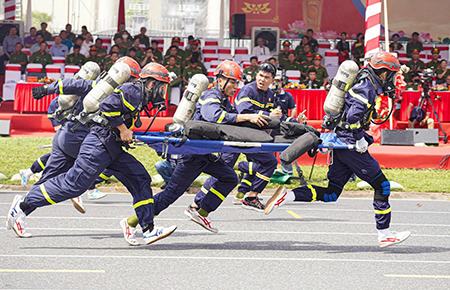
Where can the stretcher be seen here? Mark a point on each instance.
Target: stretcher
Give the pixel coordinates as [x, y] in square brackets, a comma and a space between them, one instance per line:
[166, 143]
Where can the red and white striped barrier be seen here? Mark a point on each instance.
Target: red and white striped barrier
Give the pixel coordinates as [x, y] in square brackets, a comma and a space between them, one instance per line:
[12, 73]
[373, 27]
[10, 9]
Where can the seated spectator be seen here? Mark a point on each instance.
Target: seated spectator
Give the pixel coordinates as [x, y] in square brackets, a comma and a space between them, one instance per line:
[194, 49]
[358, 50]
[172, 66]
[189, 42]
[434, 62]
[18, 57]
[344, 48]
[192, 69]
[115, 48]
[64, 40]
[148, 57]
[414, 44]
[251, 71]
[442, 72]
[123, 48]
[110, 60]
[299, 49]
[312, 41]
[84, 31]
[140, 49]
[273, 60]
[45, 34]
[101, 52]
[261, 48]
[311, 81]
[10, 41]
[292, 63]
[173, 51]
[93, 55]
[75, 58]
[35, 47]
[30, 39]
[156, 52]
[395, 44]
[70, 35]
[143, 39]
[132, 53]
[306, 49]
[176, 43]
[416, 66]
[321, 72]
[445, 86]
[42, 56]
[78, 41]
[86, 45]
[284, 52]
[123, 33]
[58, 49]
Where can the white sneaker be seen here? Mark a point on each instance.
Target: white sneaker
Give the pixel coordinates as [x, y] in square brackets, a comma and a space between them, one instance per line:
[393, 238]
[129, 233]
[23, 177]
[158, 233]
[276, 200]
[94, 194]
[16, 218]
[78, 204]
[205, 222]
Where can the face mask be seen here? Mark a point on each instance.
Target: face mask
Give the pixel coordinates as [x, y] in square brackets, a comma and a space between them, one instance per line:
[124, 36]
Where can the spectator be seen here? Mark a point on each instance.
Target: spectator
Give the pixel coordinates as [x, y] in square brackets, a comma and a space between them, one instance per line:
[273, 60]
[176, 42]
[78, 41]
[261, 49]
[101, 52]
[18, 57]
[321, 72]
[143, 39]
[299, 49]
[59, 49]
[123, 33]
[156, 52]
[442, 72]
[133, 54]
[192, 69]
[148, 57]
[414, 44]
[292, 63]
[194, 49]
[434, 62]
[344, 48]
[140, 49]
[311, 81]
[115, 48]
[47, 35]
[30, 39]
[189, 43]
[358, 49]
[110, 60]
[76, 58]
[416, 67]
[284, 53]
[86, 45]
[35, 47]
[312, 41]
[172, 66]
[309, 60]
[251, 71]
[306, 50]
[10, 41]
[42, 56]
[395, 44]
[122, 45]
[64, 40]
[84, 31]
[173, 51]
[70, 35]
[93, 55]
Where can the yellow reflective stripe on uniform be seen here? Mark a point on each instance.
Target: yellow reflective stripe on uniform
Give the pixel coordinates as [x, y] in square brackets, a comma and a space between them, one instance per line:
[313, 192]
[244, 99]
[268, 105]
[246, 182]
[111, 114]
[258, 104]
[60, 85]
[41, 164]
[218, 194]
[94, 83]
[250, 168]
[45, 194]
[117, 91]
[103, 176]
[50, 116]
[263, 177]
[358, 97]
[125, 102]
[143, 202]
[209, 100]
[221, 117]
[204, 190]
[386, 211]
[355, 126]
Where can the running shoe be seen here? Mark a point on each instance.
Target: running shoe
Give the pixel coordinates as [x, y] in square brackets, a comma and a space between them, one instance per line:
[253, 204]
[94, 194]
[15, 219]
[78, 204]
[129, 233]
[157, 234]
[205, 222]
[276, 200]
[393, 238]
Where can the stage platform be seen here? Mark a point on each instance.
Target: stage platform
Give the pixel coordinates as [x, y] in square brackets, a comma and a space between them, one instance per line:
[388, 156]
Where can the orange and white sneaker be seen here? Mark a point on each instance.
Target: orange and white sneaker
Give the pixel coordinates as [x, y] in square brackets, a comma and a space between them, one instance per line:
[393, 238]
[129, 233]
[78, 204]
[203, 221]
[276, 200]
[15, 219]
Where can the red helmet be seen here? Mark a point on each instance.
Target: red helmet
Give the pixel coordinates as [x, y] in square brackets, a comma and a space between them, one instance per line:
[229, 69]
[156, 71]
[383, 59]
[134, 66]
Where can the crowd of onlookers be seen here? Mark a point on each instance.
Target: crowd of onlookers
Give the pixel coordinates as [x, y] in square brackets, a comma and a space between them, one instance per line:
[187, 61]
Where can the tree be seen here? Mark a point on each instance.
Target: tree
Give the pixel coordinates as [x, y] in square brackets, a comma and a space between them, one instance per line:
[39, 17]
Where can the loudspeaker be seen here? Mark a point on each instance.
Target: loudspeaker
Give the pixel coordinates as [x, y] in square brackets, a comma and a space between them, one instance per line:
[409, 137]
[237, 25]
[4, 127]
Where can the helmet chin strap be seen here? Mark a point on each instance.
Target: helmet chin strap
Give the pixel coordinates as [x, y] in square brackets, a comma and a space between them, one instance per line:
[222, 88]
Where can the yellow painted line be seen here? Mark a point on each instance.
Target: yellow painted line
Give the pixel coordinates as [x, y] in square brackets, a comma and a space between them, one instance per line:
[293, 214]
[418, 276]
[50, 271]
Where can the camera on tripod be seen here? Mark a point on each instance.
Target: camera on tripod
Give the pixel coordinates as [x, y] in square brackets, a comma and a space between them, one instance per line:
[425, 78]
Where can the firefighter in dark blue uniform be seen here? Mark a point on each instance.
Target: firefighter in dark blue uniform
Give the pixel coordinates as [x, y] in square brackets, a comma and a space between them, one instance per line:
[103, 148]
[372, 81]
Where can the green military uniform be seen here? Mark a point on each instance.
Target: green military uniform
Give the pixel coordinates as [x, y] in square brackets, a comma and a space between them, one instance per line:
[177, 70]
[298, 50]
[179, 60]
[143, 39]
[101, 51]
[433, 64]
[441, 80]
[358, 52]
[43, 59]
[292, 66]
[18, 58]
[158, 55]
[190, 71]
[95, 59]
[412, 46]
[321, 73]
[107, 63]
[312, 84]
[73, 59]
[250, 73]
[283, 57]
[415, 67]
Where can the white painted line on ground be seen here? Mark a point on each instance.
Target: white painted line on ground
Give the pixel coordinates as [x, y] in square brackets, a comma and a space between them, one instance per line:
[51, 271]
[396, 261]
[417, 276]
[230, 232]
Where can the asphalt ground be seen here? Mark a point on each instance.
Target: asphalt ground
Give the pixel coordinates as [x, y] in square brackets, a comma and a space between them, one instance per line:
[299, 246]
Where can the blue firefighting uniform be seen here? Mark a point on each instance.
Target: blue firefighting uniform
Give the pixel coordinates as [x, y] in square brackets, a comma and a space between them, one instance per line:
[286, 102]
[250, 100]
[359, 103]
[213, 107]
[100, 150]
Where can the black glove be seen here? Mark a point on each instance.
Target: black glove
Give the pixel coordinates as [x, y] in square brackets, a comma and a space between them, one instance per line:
[39, 92]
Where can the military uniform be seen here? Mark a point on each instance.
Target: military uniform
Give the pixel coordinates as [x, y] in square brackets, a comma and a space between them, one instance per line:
[107, 63]
[283, 57]
[179, 60]
[18, 58]
[42, 58]
[415, 68]
[411, 46]
[250, 73]
[315, 84]
[190, 71]
[321, 73]
[177, 70]
[158, 55]
[75, 59]
[95, 59]
[443, 79]
[292, 66]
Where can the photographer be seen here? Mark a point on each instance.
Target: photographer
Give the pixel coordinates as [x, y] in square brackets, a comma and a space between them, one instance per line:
[418, 115]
